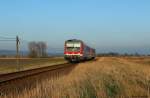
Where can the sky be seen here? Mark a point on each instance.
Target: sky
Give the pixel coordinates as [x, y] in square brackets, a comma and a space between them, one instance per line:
[107, 25]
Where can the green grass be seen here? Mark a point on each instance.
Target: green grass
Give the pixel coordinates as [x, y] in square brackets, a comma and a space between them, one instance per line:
[112, 88]
[86, 89]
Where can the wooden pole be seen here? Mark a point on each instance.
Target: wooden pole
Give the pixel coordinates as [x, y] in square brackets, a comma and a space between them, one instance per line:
[17, 51]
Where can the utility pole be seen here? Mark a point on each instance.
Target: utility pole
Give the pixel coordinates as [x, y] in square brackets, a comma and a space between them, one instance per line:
[17, 51]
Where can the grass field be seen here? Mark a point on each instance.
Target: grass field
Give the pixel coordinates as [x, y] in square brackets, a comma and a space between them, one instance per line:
[107, 77]
[10, 64]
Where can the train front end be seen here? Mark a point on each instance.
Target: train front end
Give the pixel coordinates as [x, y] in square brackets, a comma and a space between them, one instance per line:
[73, 50]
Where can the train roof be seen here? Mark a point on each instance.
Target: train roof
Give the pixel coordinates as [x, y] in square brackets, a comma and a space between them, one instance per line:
[74, 40]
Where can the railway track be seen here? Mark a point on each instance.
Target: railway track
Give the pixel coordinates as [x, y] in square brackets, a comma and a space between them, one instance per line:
[22, 74]
[26, 80]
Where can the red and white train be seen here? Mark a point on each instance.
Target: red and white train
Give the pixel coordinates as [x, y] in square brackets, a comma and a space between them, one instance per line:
[76, 50]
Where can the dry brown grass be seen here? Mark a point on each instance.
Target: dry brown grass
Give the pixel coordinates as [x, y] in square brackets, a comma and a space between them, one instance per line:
[108, 77]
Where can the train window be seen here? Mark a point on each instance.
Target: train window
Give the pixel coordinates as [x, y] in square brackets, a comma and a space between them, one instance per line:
[73, 44]
[72, 49]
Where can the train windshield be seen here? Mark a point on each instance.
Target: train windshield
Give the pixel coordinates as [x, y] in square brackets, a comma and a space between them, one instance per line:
[73, 46]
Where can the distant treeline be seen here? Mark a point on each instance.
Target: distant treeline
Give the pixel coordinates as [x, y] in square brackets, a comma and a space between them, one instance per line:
[36, 52]
[119, 54]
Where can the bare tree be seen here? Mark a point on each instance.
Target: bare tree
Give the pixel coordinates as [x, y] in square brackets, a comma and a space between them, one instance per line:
[37, 49]
[33, 49]
[42, 49]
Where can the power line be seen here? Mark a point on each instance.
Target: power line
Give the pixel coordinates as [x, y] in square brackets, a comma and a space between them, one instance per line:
[24, 41]
[7, 40]
[4, 37]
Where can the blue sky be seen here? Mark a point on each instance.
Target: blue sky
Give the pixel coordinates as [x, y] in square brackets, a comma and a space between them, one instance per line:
[107, 25]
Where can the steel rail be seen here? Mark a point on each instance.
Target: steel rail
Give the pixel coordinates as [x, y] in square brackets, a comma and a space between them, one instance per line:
[26, 73]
